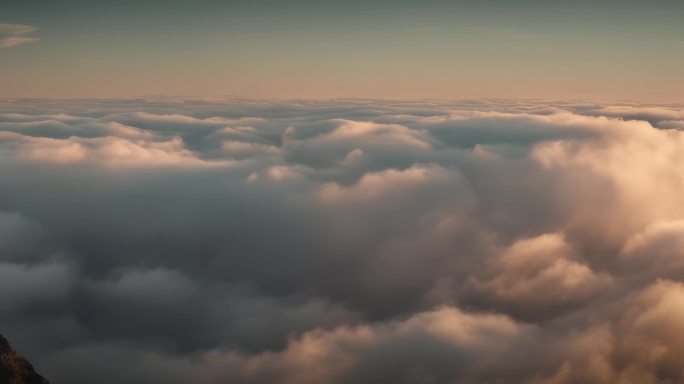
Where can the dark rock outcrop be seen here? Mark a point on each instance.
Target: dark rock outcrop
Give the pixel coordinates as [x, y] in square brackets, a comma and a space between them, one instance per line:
[14, 369]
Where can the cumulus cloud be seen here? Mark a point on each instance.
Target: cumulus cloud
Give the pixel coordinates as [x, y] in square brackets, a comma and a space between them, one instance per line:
[13, 34]
[537, 274]
[362, 241]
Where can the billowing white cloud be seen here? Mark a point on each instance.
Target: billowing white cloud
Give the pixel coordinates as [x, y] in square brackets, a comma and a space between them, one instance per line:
[379, 185]
[538, 274]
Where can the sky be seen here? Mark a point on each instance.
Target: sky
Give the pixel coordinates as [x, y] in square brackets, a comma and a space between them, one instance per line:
[613, 50]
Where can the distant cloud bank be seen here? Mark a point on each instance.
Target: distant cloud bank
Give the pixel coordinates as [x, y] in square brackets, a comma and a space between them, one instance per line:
[344, 241]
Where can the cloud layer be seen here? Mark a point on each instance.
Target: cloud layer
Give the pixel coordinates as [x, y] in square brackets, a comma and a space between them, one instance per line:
[345, 241]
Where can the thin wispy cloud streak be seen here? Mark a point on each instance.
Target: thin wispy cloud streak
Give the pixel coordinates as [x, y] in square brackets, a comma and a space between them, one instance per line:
[12, 35]
[343, 241]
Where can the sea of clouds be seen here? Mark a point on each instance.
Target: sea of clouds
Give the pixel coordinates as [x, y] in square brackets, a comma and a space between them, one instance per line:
[344, 241]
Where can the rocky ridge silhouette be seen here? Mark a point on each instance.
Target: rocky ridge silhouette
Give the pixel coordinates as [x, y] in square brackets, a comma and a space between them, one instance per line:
[15, 369]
